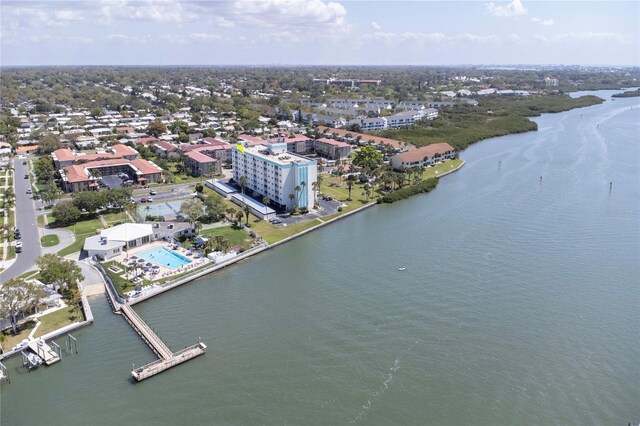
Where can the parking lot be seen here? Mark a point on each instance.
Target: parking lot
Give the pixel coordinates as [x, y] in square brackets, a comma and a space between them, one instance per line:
[112, 181]
[326, 208]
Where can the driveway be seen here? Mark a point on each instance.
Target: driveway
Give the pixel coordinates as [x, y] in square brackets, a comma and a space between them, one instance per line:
[26, 222]
[327, 208]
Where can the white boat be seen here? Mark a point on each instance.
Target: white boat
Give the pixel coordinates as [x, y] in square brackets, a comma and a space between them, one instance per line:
[402, 268]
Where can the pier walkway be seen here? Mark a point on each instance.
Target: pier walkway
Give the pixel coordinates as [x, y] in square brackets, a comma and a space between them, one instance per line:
[141, 327]
[168, 358]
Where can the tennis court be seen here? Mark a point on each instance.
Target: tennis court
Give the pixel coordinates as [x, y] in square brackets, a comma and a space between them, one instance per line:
[168, 209]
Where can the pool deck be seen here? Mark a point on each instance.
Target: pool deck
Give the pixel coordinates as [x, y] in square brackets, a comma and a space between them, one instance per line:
[163, 271]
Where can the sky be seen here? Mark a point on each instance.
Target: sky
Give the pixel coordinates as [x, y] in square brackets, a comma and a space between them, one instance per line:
[318, 32]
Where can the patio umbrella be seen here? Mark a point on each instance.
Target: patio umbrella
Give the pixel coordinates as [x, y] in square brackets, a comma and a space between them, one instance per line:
[141, 260]
[134, 257]
[146, 268]
[155, 267]
[149, 264]
[138, 288]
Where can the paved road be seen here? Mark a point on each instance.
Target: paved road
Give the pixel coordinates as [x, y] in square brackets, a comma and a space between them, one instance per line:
[26, 222]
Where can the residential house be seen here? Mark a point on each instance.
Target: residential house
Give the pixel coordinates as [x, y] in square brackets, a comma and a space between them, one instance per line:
[424, 156]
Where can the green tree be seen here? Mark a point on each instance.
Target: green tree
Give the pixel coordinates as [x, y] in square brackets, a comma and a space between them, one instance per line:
[89, 201]
[266, 201]
[246, 210]
[48, 143]
[44, 169]
[179, 126]
[96, 112]
[368, 158]
[156, 128]
[238, 216]
[214, 206]
[66, 213]
[61, 273]
[192, 210]
[50, 193]
[18, 295]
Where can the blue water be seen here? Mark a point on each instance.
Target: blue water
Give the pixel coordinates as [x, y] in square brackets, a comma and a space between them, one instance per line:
[164, 257]
[519, 305]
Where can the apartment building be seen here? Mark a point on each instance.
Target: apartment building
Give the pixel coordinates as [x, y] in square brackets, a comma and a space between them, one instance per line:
[424, 156]
[273, 172]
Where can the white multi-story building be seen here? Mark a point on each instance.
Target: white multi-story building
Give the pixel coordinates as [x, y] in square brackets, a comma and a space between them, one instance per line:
[273, 172]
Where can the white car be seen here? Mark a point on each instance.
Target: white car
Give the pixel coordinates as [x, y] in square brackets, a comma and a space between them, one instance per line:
[149, 199]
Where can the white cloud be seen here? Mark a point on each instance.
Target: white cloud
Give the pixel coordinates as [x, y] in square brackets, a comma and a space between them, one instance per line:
[292, 13]
[430, 38]
[375, 25]
[515, 8]
[543, 22]
[68, 15]
[589, 37]
[205, 37]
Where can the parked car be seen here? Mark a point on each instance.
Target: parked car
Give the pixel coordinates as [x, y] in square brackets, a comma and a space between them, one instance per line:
[26, 176]
[24, 162]
[150, 199]
[143, 200]
[18, 247]
[28, 191]
[153, 192]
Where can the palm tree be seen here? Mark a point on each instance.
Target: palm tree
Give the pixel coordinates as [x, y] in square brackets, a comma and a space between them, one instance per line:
[367, 191]
[247, 210]
[266, 201]
[242, 182]
[349, 186]
[303, 184]
[291, 197]
[314, 186]
[297, 188]
[239, 216]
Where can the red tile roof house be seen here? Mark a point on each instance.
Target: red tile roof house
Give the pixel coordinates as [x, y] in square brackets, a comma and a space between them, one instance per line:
[201, 165]
[166, 149]
[66, 157]
[146, 141]
[328, 148]
[425, 156]
[80, 177]
[125, 129]
[378, 141]
[221, 153]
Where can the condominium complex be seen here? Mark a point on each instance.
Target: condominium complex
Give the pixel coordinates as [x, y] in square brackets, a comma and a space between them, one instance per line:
[285, 178]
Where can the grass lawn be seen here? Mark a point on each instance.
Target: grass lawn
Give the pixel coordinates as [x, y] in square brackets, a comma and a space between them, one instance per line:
[40, 219]
[81, 230]
[237, 237]
[122, 284]
[29, 274]
[440, 169]
[273, 234]
[58, 319]
[183, 178]
[331, 188]
[49, 240]
[115, 218]
[23, 332]
[11, 253]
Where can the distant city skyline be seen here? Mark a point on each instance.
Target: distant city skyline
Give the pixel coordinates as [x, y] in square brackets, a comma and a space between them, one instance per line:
[319, 32]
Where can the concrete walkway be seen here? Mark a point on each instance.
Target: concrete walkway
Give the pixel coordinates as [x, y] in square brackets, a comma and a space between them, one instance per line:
[65, 236]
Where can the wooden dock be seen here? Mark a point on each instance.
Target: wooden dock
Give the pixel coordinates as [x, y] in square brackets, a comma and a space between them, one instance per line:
[44, 351]
[167, 359]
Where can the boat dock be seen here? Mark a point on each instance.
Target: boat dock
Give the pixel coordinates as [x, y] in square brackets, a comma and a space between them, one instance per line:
[44, 351]
[167, 359]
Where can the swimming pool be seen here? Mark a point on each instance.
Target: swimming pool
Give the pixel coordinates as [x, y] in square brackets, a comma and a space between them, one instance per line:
[164, 257]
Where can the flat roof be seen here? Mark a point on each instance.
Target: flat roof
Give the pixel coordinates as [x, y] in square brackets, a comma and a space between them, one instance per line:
[284, 158]
[253, 203]
[223, 186]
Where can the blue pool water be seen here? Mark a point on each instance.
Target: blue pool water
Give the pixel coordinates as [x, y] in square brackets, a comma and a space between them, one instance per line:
[164, 257]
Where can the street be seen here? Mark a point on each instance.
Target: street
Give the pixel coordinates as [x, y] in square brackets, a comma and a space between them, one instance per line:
[26, 222]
